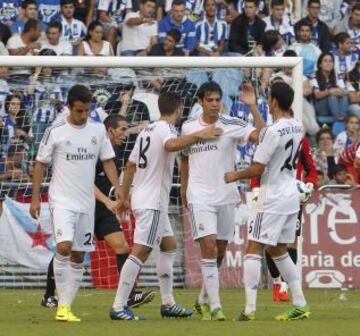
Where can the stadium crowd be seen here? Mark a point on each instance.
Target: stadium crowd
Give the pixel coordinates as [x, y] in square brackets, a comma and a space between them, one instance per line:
[327, 37]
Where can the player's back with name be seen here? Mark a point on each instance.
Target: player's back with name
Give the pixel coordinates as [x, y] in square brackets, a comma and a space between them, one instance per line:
[154, 167]
[278, 149]
[73, 152]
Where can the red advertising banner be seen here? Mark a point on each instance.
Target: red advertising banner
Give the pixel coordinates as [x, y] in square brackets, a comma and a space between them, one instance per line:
[330, 250]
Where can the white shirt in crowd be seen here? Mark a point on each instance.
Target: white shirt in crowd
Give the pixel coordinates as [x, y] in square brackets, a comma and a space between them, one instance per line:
[210, 160]
[106, 49]
[154, 167]
[16, 42]
[61, 49]
[74, 152]
[137, 37]
[278, 149]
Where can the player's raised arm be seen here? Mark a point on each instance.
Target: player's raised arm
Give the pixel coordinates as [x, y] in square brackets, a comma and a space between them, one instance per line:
[209, 133]
[38, 175]
[248, 97]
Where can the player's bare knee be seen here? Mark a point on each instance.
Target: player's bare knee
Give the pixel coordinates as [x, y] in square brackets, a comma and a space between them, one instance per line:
[254, 247]
[117, 243]
[277, 251]
[208, 247]
[64, 248]
[168, 244]
[77, 257]
[141, 252]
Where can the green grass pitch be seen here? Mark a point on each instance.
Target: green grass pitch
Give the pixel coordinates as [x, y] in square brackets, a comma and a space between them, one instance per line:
[333, 313]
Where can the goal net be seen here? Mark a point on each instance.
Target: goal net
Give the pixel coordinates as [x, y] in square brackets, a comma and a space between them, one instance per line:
[33, 95]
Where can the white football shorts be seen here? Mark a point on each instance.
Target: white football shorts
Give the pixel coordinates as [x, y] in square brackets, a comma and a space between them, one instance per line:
[151, 226]
[73, 226]
[209, 220]
[271, 229]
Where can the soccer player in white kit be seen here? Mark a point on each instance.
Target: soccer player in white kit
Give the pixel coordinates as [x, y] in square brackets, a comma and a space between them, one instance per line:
[150, 168]
[273, 221]
[211, 202]
[73, 147]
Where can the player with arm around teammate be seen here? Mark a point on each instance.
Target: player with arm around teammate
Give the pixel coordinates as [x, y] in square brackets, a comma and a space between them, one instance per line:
[150, 168]
[73, 147]
[273, 223]
[211, 202]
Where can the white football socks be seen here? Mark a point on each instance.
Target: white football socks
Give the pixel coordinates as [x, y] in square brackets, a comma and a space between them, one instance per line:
[127, 279]
[165, 273]
[61, 275]
[289, 272]
[210, 273]
[75, 276]
[252, 270]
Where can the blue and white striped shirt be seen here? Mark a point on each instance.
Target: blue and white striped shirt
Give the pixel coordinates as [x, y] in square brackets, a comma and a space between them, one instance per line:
[285, 28]
[48, 10]
[9, 9]
[209, 36]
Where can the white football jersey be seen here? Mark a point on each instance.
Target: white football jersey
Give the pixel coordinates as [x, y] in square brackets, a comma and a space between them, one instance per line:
[73, 152]
[278, 149]
[210, 160]
[154, 167]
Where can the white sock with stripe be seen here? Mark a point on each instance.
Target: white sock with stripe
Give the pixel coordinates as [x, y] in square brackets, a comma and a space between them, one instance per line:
[252, 270]
[289, 272]
[76, 272]
[127, 279]
[165, 274]
[210, 273]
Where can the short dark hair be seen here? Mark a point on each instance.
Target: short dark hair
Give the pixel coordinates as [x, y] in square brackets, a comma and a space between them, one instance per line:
[54, 24]
[324, 130]
[270, 38]
[79, 93]
[341, 38]
[283, 93]
[143, 2]
[169, 102]
[47, 52]
[67, 2]
[208, 87]
[310, 2]
[175, 34]
[113, 120]
[304, 23]
[255, 2]
[178, 3]
[31, 24]
[27, 3]
[355, 7]
[277, 3]
[290, 53]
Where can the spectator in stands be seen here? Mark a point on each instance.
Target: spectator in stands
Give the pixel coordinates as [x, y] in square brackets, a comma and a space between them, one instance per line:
[73, 30]
[279, 21]
[320, 179]
[247, 30]
[10, 130]
[226, 11]
[325, 156]
[177, 19]
[272, 43]
[48, 10]
[168, 47]
[194, 9]
[342, 177]
[139, 30]
[54, 42]
[26, 43]
[111, 14]
[320, 33]
[344, 57]
[85, 11]
[211, 33]
[47, 97]
[94, 43]
[329, 12]
[353, 80]
[351, 25]
[306, 49]
[263, 10]
[9, 11]
[330, 98]
[4, 88]
[12, 167]
[350, 158]
[29, 11]
[350, 135]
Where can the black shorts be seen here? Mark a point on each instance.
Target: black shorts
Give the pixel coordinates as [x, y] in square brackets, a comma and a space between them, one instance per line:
[105, 224]
[298, 223]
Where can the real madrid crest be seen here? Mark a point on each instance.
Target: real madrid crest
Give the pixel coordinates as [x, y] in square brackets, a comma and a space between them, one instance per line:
[94, 140]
